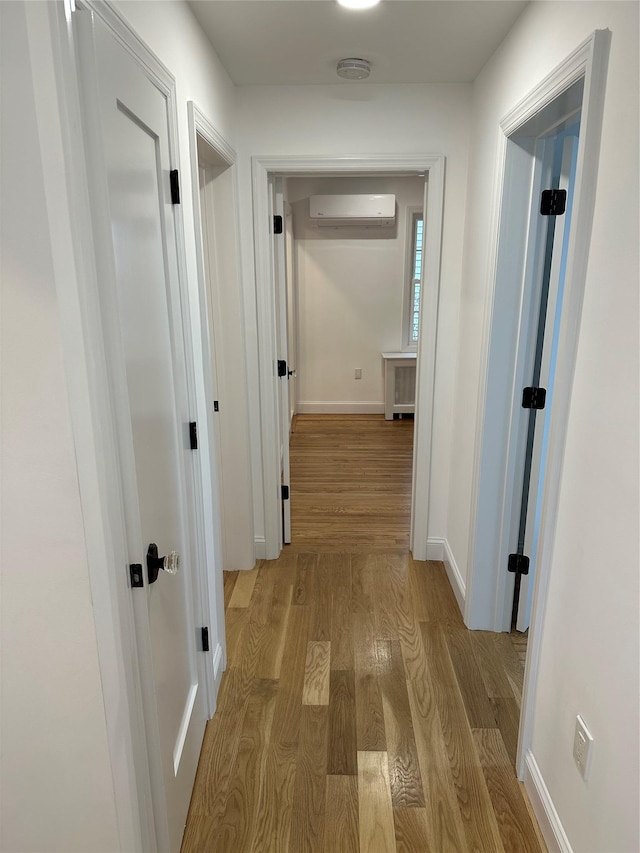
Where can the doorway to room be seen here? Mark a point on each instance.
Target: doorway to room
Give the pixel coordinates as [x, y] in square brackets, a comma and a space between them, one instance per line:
[350, 289]
[268, 177]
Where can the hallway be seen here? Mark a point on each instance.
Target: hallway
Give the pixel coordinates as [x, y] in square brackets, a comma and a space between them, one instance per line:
[357, 713]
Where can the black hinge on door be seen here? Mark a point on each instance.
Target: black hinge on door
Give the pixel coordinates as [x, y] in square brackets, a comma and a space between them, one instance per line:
[193, 435]
[282, 367]
[205, 639]
[135, 574]
[518, 564]
[216, 407]
[285, 493]
[553, 202]
[174, 181]
[534, 398]
[277, 225]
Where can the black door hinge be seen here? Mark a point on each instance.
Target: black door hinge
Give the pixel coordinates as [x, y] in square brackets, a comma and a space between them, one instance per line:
[285, 493]
[174, 180]
[277, 225]
[205, 639]
[518, 564]
[282, 367]
[135, 575]
[534, 398]
[553, 202]
[216, 407]
[193, 435]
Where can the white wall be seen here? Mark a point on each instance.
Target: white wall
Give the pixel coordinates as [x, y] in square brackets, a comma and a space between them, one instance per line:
[589, 659]
[351, 285]
[372, 120]
[56, 784]
[171, 31]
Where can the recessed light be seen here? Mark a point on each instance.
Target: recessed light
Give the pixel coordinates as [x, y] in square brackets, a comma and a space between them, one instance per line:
[358, 4]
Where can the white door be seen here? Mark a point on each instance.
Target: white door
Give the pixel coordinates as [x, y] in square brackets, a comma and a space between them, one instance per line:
[285, 371]
[142, 318]
[561, 153]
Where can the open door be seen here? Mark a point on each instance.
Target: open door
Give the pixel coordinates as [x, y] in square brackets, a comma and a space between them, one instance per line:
[134, 196]
[559, 156]
[285, 371]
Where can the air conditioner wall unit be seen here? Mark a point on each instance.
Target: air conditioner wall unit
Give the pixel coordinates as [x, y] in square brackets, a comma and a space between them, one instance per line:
[350, 210]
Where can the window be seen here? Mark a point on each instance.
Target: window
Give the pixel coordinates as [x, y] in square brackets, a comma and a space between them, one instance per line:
[414, 282]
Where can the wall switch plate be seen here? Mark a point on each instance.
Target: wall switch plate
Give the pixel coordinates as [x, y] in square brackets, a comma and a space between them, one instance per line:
[582, 747]
[358, 373]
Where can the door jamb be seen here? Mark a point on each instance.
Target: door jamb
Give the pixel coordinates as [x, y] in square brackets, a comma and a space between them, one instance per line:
[431, 165]
[199, 124]
[485, 591]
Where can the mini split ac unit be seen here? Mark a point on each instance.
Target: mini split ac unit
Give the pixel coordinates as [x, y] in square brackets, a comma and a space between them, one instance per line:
[350, 210]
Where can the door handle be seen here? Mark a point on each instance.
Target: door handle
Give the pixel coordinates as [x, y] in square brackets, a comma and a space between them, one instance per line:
[292, 372]
[169, 564]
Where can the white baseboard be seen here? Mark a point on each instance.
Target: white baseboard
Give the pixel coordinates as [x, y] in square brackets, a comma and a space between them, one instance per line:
[260, 547]
[308, 407]
[548, 819]
[439, 549]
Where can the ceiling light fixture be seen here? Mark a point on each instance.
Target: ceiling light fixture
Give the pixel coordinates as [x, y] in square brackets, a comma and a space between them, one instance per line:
[354, 69]
[358, 4]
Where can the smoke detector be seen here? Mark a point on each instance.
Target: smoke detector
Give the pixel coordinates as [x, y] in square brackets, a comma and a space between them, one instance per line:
[354, 69]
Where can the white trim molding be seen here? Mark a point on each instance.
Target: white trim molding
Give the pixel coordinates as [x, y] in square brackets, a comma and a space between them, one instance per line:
[548, 819]
[339, 407]
[433, 165]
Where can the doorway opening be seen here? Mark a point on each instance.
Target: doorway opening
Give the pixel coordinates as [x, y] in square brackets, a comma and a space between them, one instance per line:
[269, 201]
[349, 292]
[550, 142]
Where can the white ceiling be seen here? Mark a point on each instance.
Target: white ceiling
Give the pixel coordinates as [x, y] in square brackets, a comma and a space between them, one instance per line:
[284, 42]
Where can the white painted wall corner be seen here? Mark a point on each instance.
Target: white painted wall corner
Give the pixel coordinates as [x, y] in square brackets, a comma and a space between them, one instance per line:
[548, 819]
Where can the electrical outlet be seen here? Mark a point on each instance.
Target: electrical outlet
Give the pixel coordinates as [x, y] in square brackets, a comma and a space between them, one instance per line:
[582, 747]
[358, 373]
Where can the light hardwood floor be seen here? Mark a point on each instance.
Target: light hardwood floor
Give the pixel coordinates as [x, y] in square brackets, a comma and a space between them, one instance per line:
[357, 713]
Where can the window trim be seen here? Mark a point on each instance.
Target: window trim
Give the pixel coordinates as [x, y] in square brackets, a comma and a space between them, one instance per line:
[412, 213]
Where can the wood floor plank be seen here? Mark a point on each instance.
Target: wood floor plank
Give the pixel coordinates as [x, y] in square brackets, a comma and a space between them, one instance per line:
[411, 831]
[308, 813]
[514, 821]
[322, 594]
[316, 674]
[243, 588]
[375, 812]
[342, 759]
[444, 822]
[303, 585]
[481, 829]
[229, 581]
[341, 622]
[402, 754]
[273, 816]
[485, 645]
[341, 821]
[474, 694]
[235, 829]
[507, 714]
[370, 729]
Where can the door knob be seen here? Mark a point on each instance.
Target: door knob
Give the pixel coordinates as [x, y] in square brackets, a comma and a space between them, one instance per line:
[169, 564]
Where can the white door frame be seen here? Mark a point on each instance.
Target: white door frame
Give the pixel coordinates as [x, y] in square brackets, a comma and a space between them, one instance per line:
[493, 482]
[421, 164]
[199, 125]
[73, 210]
